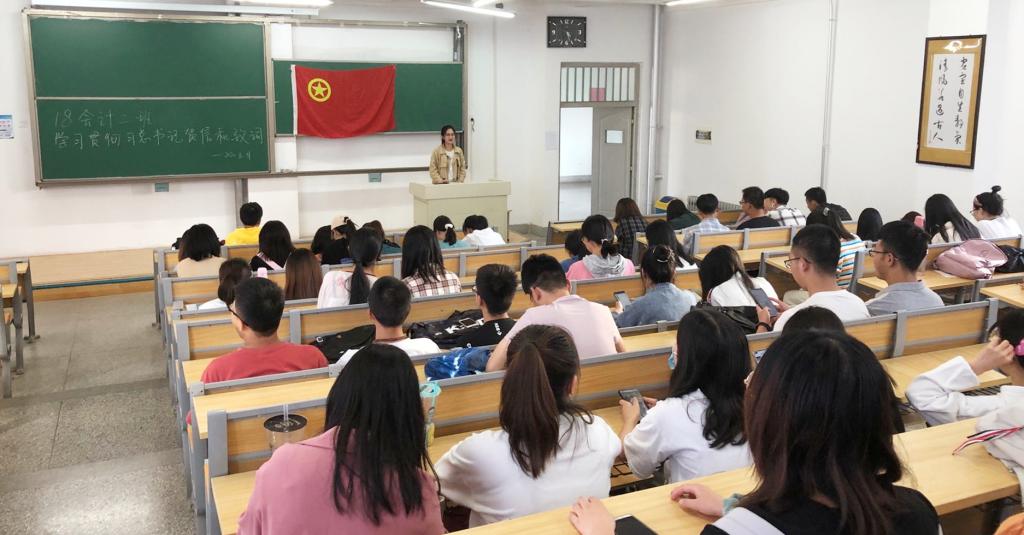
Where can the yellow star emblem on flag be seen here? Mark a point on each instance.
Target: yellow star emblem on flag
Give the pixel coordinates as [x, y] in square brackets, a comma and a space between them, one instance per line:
[319, 90]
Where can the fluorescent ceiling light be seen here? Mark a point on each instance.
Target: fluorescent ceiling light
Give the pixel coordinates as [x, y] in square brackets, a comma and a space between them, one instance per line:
[482, 3]
[121, 5]
[300, 3]
[471, 9]
[685, 2]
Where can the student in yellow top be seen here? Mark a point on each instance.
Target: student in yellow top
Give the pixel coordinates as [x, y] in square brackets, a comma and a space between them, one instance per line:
[251, 214]
[447, 162]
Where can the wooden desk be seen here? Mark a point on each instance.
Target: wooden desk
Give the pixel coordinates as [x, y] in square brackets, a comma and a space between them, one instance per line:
[231, 493]
[1011, 294]
[904, 369]
[749, 256]
[934, 280]
[951, 483]
[193, 370]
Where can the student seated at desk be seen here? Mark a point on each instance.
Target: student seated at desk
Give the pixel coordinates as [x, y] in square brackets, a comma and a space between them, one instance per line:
[302, 276]
[478, 232]
[944, 223]
[591, 325]
[573, 244]
[549, 449]
[815, 198]
[446, 237]
[849, 244]
[321, 240]
[199, 252]
[341, 287]
[628, 221]
[937, 395]
[897, 255]
[232, 272]
[707, 211]
[818, 413]
[605, 258]
[336, 251]
[495, 289]
[680, 217]
[814, 318]
[660, 232]
[869, 224]
[662, 299]
[251, 213]
[754, 214]
[812, 261]
[423, 266]
[368, 473]
[698, 429]
[390, 302]
[724, 281]
[988, 212]
[275, 247]
[387, 246]
[775, 201]
[256, 315]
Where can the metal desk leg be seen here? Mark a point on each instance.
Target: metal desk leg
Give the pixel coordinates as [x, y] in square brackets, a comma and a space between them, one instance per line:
[5, 360]
[19, 323]
[31, 303]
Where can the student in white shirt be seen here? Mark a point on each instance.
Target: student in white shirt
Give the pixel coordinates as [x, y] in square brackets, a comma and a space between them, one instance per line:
[988, 212]
[936, 394]
[813, 258]
[698, 429]
[232, 272]
[390, 300]
[548, 451]
[341, 287]
[944, 223]
[478, 232]
[725, 283]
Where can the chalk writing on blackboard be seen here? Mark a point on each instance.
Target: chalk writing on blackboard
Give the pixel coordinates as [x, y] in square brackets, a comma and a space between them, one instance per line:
[950, 101]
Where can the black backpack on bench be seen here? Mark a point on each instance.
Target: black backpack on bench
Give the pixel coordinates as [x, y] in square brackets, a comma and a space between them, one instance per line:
[333, 346]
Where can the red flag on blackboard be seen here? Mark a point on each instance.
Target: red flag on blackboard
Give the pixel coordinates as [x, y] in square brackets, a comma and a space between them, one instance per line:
[338, 104]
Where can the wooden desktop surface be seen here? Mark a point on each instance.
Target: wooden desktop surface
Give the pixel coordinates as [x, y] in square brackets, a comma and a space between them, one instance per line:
[1011, 294]
[935, 280]
[951, 483]
[749, 256]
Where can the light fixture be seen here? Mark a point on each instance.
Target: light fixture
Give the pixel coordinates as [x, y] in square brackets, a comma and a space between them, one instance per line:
[288, 3]
[483, 3]
[470, 9]
[121, 5]
[685, 2]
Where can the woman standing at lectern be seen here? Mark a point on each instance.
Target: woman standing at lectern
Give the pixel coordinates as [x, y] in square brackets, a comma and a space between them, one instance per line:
[447, 163]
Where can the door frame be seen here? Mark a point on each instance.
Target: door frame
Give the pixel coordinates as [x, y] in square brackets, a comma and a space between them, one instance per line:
[634, 104]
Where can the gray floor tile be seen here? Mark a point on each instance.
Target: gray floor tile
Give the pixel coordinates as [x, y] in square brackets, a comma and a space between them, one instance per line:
[109, 426]
[115, 366]
[106, 334]
[26, 436]
[144, 501]
[42, 376]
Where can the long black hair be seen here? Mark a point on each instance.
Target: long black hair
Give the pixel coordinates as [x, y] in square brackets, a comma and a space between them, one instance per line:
[869, 224]
[542, 362]
[598, 229]
[421, 255]
[660, 232]
[719, 265]
[380, 442]
[713, 357]
[199, 242]
[443, 223]
[939, 210]
[276, 242]
[365, 249]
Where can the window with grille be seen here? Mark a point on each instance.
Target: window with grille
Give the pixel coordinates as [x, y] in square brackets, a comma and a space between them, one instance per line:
[598, 83]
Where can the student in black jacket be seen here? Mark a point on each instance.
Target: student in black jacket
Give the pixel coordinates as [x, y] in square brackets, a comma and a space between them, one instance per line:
[495, 288]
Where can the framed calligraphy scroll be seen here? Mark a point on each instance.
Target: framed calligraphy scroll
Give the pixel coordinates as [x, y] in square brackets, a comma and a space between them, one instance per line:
[950, 94]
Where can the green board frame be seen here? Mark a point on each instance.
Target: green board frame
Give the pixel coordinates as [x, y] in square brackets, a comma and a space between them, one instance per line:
[139, 99]
[427, 95]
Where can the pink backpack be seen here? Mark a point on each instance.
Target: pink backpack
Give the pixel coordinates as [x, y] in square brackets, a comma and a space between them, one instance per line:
[972, 259]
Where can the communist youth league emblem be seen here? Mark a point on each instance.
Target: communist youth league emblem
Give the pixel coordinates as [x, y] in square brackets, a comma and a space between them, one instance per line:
[319, 90]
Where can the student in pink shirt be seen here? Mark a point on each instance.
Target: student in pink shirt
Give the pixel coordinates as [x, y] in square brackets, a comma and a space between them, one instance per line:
[591, 324]
[604, 259]
[368, 473]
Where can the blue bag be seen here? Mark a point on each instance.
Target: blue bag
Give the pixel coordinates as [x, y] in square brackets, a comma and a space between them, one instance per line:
[457, 363]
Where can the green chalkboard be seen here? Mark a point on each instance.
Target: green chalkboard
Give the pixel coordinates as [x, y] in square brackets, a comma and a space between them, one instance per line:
[125, 98]
[427, 95]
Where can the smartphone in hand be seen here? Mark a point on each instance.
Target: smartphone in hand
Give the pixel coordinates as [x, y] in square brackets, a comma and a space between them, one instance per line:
[632, 393]
[761, 298]
[622, 298]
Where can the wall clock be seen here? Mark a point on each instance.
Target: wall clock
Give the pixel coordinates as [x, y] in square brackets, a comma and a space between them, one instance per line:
[567, 32]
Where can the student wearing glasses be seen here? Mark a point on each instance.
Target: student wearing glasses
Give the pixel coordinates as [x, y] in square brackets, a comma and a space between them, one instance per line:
[812, 261]
[898, 253]
[988, 212]
[256, 315]
[754, 214]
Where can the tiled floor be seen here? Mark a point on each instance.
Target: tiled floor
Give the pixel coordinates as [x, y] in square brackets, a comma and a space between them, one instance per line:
[88, 442]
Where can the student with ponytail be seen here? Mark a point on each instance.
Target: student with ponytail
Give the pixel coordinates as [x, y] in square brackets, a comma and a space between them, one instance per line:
[341, 287]
[549, 449]
[662, 299]
[604, 259]
[445, 231]
[988, 212]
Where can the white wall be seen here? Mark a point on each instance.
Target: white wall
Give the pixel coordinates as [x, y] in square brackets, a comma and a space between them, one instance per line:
[723, 71]
[576, 142]
[512, 103]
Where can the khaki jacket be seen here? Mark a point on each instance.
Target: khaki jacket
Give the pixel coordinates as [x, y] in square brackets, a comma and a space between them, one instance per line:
[439, 166]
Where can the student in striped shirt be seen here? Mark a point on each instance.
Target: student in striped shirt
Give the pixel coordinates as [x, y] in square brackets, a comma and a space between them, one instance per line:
[850, 243]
